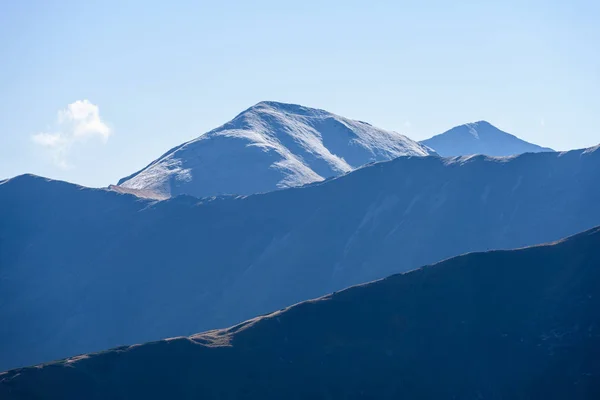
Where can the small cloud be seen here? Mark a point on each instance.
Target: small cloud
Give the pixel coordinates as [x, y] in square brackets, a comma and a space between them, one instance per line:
[407, 124]
[47, 139]
[78, 122]
[542, 122]
[83, 119]
[57, 144]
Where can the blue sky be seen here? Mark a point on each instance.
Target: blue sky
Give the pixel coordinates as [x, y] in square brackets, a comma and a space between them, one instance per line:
[143, 76]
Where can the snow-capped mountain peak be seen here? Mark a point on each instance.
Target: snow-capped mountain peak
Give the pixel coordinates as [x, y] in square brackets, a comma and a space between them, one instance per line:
[480, 137]
[270, 145]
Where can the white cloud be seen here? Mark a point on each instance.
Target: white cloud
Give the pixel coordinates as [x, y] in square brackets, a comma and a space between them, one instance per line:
[47, 139]
[78, 122]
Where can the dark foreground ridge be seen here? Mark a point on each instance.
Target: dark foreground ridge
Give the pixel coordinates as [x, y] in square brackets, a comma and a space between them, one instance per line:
[520, 324]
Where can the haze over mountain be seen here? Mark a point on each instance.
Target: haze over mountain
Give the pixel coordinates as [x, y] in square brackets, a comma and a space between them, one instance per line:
[480, 138]
[269, 146]
[520, 324]
[87, 269]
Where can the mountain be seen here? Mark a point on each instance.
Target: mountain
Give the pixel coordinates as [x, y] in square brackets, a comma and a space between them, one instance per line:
[480, 138]
[269, 146]
[86, 269]
[520, 324]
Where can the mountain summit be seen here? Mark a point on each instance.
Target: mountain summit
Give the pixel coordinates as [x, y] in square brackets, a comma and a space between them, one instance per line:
[480, 138]
[269, 146]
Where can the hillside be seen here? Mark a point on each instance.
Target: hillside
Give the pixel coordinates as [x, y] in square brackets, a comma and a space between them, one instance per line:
[519, 324]
[86, 269]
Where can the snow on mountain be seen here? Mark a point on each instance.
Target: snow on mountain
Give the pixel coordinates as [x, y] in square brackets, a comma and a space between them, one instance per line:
[480, 138]
[270, 145]
[519, 324]
[86, 269]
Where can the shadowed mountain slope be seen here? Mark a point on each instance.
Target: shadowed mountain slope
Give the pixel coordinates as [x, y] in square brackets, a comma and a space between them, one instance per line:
[520, 324]
[82, 270]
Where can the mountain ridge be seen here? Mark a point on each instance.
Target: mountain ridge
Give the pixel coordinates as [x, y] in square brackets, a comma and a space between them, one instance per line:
[504, 323]
[62, 246]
